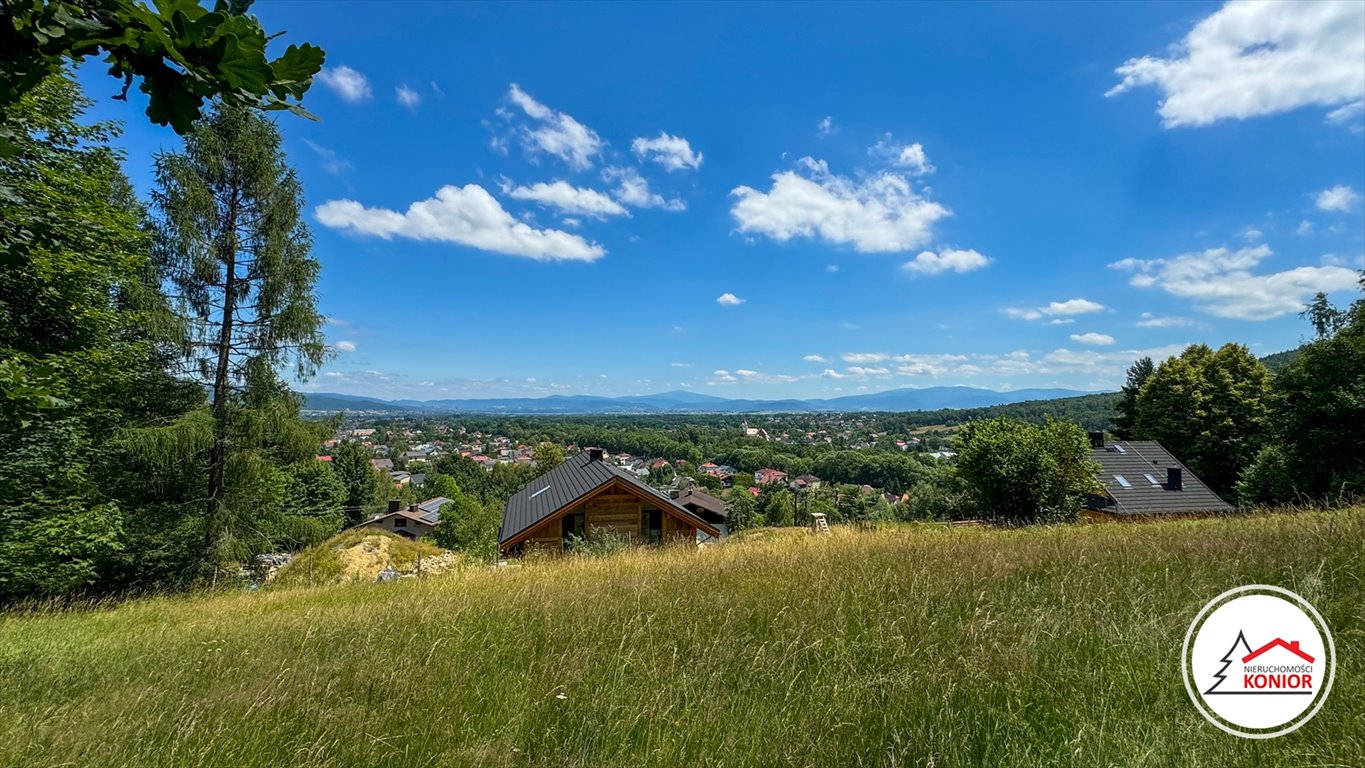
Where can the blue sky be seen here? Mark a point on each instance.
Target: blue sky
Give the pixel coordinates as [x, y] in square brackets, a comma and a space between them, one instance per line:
[809, 200]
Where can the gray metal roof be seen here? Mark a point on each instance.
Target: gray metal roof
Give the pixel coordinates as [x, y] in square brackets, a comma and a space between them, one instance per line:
[1134, 460]
[578, 476]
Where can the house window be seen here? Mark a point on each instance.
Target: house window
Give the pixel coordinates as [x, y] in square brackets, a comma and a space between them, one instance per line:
[400, 522]
[574, 525]
[1123, 481]
[652, 526]
[1151, 479]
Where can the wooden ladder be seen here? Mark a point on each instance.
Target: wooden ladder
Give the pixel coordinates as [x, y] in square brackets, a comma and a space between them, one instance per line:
[818, 523]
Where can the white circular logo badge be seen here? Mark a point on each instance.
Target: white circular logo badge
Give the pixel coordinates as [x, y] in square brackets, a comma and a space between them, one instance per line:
[1258, 661]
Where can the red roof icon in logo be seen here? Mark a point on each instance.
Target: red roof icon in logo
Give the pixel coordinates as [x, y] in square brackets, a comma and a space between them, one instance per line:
[1278, 643]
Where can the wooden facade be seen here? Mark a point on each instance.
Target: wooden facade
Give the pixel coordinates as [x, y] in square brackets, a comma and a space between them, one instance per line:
[618, 508]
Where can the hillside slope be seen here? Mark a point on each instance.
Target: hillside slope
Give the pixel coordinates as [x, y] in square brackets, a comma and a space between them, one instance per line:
[907, 647]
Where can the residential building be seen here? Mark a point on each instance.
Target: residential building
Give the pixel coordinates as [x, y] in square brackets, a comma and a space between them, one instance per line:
[414, 522]
[587, 493]
[1141, 479]
[769, 476]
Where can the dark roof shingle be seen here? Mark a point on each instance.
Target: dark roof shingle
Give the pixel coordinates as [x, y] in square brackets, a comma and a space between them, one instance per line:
[1134, 461]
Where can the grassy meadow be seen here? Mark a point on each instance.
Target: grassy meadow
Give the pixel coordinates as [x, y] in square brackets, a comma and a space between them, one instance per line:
[909, 646]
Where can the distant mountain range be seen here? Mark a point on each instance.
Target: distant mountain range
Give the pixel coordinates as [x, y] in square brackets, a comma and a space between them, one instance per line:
[680, 401]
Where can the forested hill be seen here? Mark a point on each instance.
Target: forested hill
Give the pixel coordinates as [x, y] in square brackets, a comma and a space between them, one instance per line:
[1093, 412]
[1279, 360]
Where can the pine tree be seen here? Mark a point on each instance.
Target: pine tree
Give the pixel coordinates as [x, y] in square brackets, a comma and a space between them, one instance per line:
[1126, 408]
[234, 246]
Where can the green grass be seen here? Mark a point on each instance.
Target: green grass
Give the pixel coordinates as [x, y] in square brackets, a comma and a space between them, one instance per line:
[913, 646]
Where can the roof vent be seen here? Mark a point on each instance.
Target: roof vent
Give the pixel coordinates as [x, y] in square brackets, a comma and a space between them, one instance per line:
[1175, 480]
[594, 454]
[1096, 439]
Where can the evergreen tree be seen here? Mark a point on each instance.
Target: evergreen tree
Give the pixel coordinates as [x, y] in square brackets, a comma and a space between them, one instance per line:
[1125, 409]
[366, 487]
[233, 244]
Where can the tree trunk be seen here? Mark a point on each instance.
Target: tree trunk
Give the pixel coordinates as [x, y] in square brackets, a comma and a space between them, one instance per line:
[221, 392]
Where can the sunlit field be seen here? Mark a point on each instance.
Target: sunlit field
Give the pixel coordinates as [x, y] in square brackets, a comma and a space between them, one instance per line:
[909, 646]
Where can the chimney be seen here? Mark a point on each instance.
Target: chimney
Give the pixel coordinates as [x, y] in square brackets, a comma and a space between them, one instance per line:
[594, 454]
[1096, 439]
[412, 507]
[1174, 479]
[395, 505]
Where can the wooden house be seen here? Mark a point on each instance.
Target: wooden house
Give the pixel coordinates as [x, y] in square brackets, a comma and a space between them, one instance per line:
[585, 494]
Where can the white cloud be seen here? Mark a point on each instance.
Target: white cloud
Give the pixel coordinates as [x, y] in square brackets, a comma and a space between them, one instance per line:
[632, 189]
[680, 365]
[1252, 233]
[1055, 309]
[1221, 281]
[346, 346]
[348, 83]
[407, 96]
[908, 156]
[1149, 320]
[1257, 58]
[1093, 339]
[1063, 367]
[1338, 198]
[557, 134]
[945, 260]
[1305, 228]
[877, 371]
[729, 300]
[864, 357]
[825, 127]
[815, 359]
[330, 161]
[570, 199]
[832, 268]
[672, 152]
[466, 215]
[748, 376]
[1348, 114]
[1067, 365]
[877, 214]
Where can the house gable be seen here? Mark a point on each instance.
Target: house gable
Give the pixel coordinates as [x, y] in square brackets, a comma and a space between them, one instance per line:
[533, 511]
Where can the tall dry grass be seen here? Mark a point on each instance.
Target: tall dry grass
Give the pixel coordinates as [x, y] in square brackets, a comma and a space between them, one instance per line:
[917, 645]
